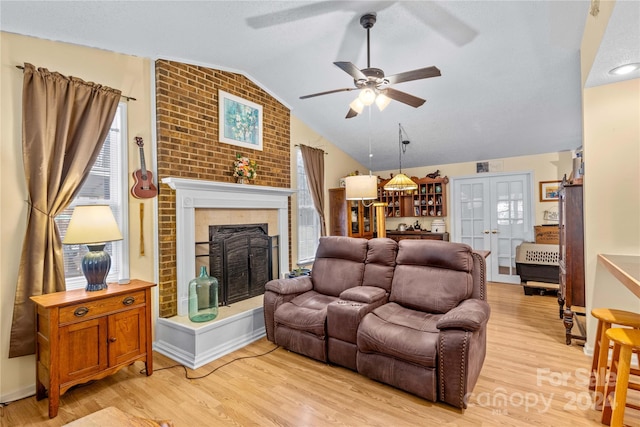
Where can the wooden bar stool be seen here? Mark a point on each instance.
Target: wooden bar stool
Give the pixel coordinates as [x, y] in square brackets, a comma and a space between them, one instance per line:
[606, 319]
[624, 341]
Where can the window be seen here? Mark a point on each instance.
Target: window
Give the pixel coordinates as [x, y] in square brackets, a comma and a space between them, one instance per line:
[308, 218]
[106, 184]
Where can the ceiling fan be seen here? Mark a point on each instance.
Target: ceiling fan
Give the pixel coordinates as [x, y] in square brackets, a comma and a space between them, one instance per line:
[374, 86]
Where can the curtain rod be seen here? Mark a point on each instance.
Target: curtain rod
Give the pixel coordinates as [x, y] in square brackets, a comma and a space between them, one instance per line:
[298, 145]
[128, 98]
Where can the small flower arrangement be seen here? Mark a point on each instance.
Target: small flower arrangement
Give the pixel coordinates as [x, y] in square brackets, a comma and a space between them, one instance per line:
[244, 168]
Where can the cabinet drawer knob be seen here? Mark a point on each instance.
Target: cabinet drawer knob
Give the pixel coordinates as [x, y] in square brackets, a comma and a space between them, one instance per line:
[128, 300]
[80, 311]
[112, 339]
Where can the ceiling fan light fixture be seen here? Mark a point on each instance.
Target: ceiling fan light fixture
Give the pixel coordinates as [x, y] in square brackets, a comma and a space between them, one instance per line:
[373, 84]
[382, 101]
[367, 96]
[400, 182]
[357, 105]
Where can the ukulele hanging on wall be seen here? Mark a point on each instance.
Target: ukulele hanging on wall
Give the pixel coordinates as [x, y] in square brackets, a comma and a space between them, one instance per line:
[143, 187]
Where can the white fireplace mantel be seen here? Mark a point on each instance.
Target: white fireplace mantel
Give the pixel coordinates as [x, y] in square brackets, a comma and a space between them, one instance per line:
[192, 194]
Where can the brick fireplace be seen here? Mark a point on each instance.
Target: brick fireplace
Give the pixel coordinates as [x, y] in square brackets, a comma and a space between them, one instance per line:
[188, 147]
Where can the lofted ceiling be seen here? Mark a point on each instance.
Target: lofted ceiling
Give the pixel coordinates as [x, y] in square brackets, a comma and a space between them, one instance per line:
[510, 81]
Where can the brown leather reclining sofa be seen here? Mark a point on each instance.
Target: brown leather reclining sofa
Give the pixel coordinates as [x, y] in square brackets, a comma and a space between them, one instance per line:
[411, 314]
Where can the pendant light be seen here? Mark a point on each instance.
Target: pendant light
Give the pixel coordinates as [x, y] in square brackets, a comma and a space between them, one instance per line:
[401, 182]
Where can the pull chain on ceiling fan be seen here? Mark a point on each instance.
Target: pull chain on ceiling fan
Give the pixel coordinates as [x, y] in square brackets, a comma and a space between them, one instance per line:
[372, 83]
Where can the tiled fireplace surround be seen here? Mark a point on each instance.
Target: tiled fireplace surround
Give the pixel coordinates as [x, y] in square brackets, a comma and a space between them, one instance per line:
[196, 344]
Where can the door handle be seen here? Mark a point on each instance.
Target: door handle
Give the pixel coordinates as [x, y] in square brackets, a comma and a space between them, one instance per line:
[494, 231]
[486, 231]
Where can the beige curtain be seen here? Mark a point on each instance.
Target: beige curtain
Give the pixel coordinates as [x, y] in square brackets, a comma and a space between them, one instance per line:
[314, 168]
[64, 124]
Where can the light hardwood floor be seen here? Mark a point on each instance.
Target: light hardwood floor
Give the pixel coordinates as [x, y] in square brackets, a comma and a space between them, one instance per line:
[530, 377]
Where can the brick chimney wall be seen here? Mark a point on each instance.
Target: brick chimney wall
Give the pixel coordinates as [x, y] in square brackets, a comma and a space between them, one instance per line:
[188, 147]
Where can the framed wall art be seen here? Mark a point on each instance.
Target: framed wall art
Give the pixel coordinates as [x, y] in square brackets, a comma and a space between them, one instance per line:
[240, 121]
[482, 167]
[549, 191]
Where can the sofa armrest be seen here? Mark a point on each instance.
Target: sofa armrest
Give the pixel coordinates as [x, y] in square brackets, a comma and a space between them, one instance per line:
[460, 358]
[296, 285]
[278, 292]
[469, 315]
[462, 346]
[345, 314]
[364, 294]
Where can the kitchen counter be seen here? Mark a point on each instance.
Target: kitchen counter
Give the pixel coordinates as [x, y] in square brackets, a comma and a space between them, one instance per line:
[625, 268]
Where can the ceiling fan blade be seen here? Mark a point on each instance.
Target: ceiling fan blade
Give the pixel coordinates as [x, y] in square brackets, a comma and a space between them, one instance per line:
[442, 21]
[315, 9]
[347, 89]
[352, 40]
[405, 98]
[352, 70]
[290, 15]
[422, 73]
[351, 113]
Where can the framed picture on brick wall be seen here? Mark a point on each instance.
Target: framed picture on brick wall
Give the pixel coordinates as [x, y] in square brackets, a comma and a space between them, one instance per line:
[240, 121]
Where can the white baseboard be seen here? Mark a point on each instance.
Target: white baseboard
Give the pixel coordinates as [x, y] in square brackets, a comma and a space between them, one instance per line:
[21, 393]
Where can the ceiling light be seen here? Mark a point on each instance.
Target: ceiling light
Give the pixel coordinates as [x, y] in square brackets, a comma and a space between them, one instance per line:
[401, 182]
[367, 96]
[382, 101]
[625, 69]
[357, 105]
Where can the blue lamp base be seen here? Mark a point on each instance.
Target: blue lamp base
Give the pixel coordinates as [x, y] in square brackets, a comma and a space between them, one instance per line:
[95, 267]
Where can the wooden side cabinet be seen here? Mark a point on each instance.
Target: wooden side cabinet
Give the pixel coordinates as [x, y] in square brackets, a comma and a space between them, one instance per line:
[571, 258]
[84, 336]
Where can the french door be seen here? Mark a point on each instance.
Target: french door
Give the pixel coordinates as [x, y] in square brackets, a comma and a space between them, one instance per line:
[494, 213]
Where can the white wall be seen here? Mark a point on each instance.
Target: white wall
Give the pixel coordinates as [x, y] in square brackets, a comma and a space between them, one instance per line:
[611, 191]
[611, 121]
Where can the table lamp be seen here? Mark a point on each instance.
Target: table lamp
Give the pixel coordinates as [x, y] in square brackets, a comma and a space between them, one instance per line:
[361, 187]
[93, 225]
[365, 187]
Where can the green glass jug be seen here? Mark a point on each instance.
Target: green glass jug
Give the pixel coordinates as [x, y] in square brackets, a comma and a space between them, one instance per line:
[203, 297]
